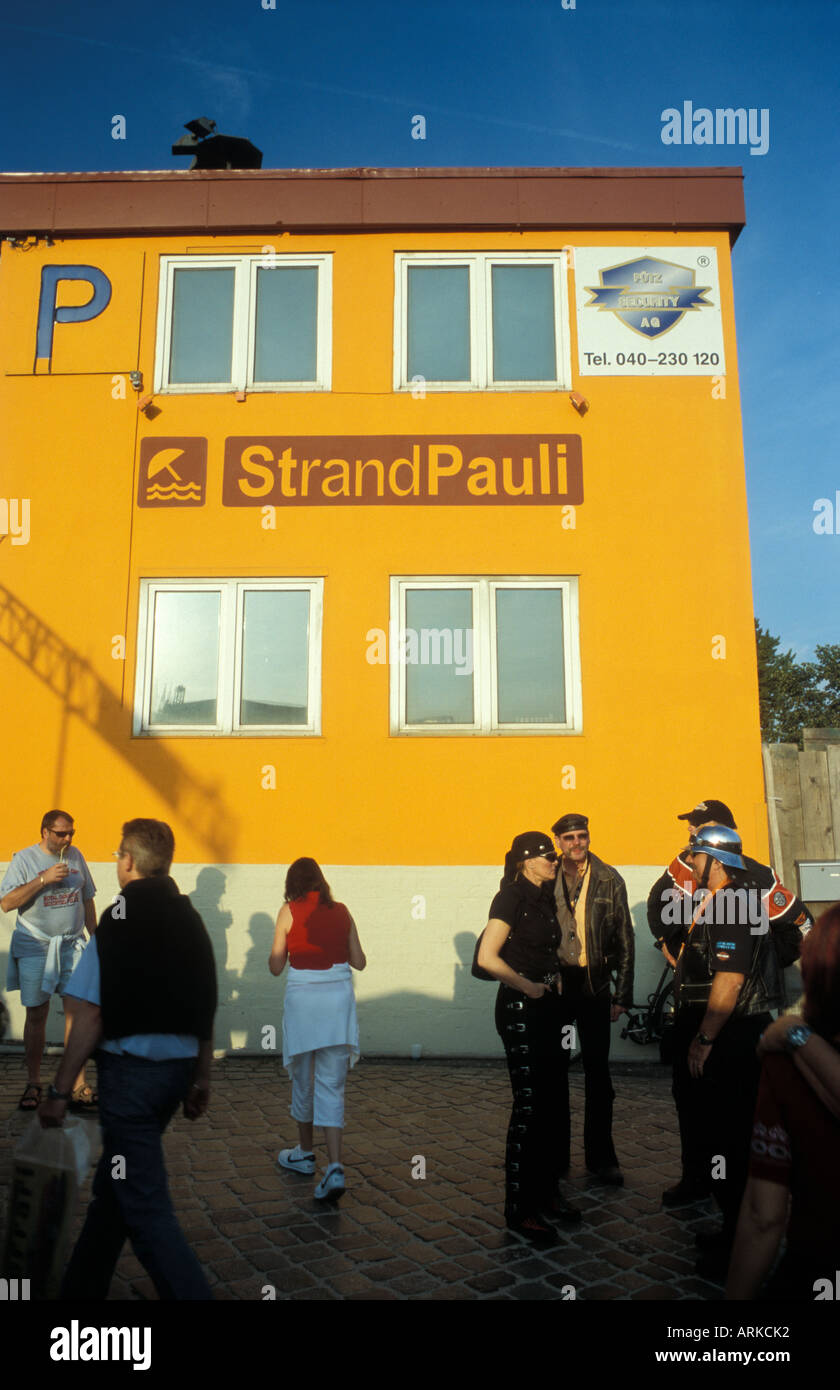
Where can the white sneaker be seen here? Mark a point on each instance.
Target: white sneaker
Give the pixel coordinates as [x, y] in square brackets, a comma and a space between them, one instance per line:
[296, 1160]
[331, 1186]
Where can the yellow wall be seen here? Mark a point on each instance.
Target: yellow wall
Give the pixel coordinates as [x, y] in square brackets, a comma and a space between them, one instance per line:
[660, 546]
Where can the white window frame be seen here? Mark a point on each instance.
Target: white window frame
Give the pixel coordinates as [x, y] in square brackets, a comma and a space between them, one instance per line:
[229, 678]
[480, 266]
[244, 322]
[485, 686]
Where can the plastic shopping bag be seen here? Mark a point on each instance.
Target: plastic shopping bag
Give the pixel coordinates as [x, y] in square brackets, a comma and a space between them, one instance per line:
[49, 1167]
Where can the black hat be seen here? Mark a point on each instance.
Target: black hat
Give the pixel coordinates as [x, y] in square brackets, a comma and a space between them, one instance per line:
[532, 844]
[709, 810]
[571, 821]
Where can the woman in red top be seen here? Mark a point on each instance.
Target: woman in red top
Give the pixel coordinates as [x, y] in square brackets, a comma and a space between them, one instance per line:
[319, 940]
[796, 1139]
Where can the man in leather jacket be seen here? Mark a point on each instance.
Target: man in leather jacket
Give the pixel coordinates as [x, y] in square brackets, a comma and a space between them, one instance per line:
[596, 943]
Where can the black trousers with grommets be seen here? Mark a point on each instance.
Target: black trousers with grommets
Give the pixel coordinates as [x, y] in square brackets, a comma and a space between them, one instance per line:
[531, 1032]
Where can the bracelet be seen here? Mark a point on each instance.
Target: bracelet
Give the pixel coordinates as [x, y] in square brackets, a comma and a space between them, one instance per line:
[797, 1036]
[42, 880]
[53, 1094]
[703, 1040]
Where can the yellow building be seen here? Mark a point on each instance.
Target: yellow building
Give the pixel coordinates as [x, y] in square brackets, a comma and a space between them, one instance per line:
[375, 515]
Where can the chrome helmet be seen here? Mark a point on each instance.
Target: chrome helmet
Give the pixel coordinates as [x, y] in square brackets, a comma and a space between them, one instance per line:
[719, 842]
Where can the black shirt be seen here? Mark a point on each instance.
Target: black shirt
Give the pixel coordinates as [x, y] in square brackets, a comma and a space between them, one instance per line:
[715, 946]
[529, 910]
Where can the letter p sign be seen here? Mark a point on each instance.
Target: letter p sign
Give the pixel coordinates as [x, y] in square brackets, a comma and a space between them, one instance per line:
[49, 315]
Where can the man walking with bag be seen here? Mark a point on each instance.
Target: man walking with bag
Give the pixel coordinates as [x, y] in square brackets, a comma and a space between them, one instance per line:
[146, 987]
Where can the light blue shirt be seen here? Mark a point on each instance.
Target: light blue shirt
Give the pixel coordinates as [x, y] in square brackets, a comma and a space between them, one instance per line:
[155, 1047]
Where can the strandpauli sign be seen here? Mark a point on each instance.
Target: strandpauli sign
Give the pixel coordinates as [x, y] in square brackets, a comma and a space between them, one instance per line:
[403, 470]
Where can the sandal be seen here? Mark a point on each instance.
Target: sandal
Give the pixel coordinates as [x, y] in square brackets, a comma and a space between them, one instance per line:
[83, 1100]
[27, 1101]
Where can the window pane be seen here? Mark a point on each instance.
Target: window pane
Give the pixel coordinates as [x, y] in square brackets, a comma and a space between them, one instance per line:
[439, 322]
[275, 658]
[529, 654]
[523, 323]
[438, 647]
[202, 326]
[185, 658]
[287, 317]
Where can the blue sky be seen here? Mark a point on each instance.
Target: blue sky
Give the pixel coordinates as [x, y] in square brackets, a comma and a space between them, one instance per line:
[329, 83]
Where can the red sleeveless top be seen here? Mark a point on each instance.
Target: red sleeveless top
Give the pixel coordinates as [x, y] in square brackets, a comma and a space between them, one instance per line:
[319, 935]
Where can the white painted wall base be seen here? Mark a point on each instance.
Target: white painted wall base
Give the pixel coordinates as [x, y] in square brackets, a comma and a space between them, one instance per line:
[418, 926]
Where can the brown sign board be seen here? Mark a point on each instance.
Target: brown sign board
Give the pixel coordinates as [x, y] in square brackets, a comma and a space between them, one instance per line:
[173, 472]
[403, 470]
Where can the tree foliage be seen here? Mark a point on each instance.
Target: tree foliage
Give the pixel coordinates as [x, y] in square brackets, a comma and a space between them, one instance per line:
[795, 695]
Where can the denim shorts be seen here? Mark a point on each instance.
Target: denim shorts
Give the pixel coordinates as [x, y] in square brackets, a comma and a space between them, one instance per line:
[31, 974]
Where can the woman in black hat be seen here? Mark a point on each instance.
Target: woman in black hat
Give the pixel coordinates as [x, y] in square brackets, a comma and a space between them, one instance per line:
[519, 949]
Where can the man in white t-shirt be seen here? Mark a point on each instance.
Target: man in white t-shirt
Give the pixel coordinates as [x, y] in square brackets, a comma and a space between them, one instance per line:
[50, 886]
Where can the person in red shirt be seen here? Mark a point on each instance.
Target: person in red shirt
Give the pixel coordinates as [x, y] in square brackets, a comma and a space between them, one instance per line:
[795, 1150]
[319, 940]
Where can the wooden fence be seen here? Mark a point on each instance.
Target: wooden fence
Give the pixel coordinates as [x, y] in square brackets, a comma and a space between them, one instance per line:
[803, 800]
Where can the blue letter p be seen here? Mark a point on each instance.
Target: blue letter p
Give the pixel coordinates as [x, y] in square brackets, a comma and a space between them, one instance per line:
[48, 315]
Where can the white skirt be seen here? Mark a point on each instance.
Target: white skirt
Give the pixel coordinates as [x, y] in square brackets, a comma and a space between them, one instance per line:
[320, 1011]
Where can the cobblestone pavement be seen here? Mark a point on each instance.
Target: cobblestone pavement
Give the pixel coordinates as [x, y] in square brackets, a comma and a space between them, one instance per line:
[394, 1235]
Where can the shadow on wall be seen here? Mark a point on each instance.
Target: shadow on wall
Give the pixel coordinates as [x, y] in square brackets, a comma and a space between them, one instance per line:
[250, 999]
[85, 696]
[445, 1024]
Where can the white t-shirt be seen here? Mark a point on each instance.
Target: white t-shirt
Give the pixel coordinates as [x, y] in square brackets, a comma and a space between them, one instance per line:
[58, 909]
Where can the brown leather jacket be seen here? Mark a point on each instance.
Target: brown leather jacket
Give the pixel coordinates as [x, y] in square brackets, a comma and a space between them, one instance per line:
[610, 942]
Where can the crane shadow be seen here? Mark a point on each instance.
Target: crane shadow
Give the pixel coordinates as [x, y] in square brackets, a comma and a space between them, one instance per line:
[85, 696]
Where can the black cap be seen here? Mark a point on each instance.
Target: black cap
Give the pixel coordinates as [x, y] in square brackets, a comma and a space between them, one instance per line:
[571, 821]
[531, 844]
[710, 810]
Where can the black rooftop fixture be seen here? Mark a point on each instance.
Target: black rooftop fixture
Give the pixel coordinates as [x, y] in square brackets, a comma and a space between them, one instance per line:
[212, 151]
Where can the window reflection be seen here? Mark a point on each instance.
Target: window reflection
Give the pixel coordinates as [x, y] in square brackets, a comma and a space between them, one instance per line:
[439, 322]
[530, 656]
[523, 323]
[202, 326]
[185, 658]
[438, 653]
[275, 658]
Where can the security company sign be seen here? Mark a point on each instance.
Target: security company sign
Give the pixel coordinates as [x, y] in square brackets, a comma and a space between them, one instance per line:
[403, 470]
[648, 311]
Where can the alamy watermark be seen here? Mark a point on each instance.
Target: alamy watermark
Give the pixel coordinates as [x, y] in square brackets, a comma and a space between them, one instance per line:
[726, 908]
[427, 646]
[827, 519]
[725, 125]
[14, 519]
[78, 1342]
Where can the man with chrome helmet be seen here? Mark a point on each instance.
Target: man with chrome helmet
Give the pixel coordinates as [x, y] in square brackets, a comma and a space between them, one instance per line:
[727, 979]
[670, 908]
